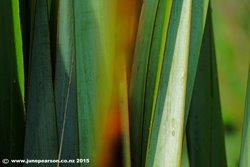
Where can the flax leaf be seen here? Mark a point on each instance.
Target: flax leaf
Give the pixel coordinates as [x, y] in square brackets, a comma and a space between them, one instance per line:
[87, 50]
[205, 133]
[11, 81]
[138, 78]
[245, 147]
[65, 84]
[41, 133]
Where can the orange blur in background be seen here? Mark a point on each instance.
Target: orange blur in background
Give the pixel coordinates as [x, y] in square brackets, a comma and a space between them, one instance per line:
[117, 124]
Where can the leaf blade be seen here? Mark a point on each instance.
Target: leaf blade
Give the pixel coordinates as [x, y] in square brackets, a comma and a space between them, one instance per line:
[205, 133]
[245, 149]
[11, 82]
[41, 136]
[65, 84]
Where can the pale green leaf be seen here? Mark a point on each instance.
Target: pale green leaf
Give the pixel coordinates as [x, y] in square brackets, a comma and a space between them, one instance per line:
[165, 144]
[65, 84]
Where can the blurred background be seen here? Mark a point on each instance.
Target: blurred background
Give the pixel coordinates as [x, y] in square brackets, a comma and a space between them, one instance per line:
[231, 20]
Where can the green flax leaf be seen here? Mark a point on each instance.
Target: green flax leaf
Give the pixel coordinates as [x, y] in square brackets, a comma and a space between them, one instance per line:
[245, 144]
[146, 67]
[65, 84]
[165, 140]
[41, 133]
[11, 81]
[199, 12]
[205, 133]
[157, 50]
[87, 50]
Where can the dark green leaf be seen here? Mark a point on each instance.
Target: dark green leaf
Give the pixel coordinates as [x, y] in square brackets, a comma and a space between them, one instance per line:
[11, 82]
[41, 134]
[205, 133]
